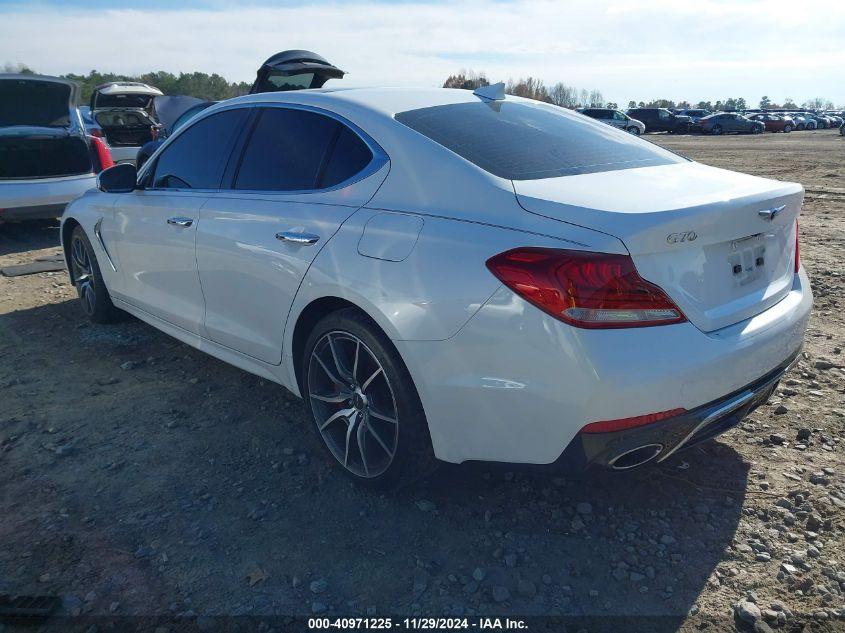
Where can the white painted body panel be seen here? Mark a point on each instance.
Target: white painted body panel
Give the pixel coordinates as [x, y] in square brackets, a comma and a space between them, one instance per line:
[158, 260]
[498, 379]
[249, 278]
[516, 385]
[647, 205]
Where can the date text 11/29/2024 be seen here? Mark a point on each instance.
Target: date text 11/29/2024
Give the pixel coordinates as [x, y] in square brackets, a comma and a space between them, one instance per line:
[424, 624]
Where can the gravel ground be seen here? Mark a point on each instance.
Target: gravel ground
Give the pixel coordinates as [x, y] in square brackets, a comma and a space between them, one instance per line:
[139, 477]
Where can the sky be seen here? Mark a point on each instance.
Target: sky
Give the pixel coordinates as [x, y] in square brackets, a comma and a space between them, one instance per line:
[630, 50]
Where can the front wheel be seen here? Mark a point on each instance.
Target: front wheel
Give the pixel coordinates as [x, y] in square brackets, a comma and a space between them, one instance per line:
[756, 130]
[716, 129]
[634, 130]
[787, 129]
[92, 291]
[365, 406]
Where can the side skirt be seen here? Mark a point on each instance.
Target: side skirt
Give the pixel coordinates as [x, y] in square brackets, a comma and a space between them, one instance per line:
[273, 373]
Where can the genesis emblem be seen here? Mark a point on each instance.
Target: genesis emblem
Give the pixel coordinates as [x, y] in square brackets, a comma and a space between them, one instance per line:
[680, 238]
[769, 214]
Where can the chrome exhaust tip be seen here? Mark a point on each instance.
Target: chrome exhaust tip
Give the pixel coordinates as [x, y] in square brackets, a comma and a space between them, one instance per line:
[635, 457]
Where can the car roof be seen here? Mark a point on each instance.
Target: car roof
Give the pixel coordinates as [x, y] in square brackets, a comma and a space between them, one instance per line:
[388, 101]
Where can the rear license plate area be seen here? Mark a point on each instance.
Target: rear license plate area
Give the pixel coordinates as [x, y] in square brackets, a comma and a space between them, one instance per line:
[747, 259]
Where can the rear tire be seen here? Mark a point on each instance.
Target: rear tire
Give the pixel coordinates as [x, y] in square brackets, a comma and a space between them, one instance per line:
[364, 404]
[787, 129]
[92, 291]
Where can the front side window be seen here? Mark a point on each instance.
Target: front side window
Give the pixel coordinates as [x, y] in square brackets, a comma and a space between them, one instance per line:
[197, 157]
[619, 116]
[526, 141]
[299, 150]
[665, 114]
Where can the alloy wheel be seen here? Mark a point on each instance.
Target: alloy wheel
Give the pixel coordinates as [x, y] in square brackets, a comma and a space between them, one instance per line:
[353, 404]
[83, 273]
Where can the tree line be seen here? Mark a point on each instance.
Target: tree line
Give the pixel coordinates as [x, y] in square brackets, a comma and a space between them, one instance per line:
[570, 97]
[211, 87]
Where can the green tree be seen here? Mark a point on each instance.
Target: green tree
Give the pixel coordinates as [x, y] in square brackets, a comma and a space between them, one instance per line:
[765, 103]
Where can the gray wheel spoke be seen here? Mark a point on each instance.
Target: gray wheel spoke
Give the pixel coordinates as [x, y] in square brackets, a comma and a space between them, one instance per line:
[342, 414]
[370, 379]
[381, 416]
[337, 364]
[360, 437]
[328, 371]
[352, 420]
[333, 399]
[355, 362]
[378, 439]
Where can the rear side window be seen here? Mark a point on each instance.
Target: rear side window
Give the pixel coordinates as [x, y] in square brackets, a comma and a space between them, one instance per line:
[349, 157]
[299, 150]
[523, 141]
[197, 157]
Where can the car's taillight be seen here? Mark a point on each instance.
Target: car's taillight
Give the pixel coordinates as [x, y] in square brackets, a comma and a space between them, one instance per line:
[588, 290]
[96, 132]
[103, 159]
[797, 249]
[154, 132]
[609, 426]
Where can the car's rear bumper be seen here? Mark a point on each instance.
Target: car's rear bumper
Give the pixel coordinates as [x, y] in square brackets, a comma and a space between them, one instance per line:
[42, 197]
[622, 450]
[516, 385]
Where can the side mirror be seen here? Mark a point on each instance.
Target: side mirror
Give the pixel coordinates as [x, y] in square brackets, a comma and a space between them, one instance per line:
[121, 178]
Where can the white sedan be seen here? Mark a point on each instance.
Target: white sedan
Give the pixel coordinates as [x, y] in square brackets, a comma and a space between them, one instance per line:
[455, 275]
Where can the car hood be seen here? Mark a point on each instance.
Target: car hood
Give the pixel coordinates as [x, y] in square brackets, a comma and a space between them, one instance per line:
[36, 101]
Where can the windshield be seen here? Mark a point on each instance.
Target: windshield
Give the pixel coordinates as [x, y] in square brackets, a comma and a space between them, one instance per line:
[525, 141]
[34, 103]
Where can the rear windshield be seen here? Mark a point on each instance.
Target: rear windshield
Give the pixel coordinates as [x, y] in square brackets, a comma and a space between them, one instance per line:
[522, 141]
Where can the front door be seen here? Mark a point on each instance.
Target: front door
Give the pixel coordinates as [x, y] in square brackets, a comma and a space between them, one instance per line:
[301, 175]
[157, 225]
[157, 255]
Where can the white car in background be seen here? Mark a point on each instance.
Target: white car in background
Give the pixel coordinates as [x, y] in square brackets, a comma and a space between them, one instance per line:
[124, 112]
[442, 273]
[46, 157]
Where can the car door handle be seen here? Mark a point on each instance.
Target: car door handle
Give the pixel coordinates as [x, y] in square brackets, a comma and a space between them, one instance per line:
[297, 238]
[180, 221]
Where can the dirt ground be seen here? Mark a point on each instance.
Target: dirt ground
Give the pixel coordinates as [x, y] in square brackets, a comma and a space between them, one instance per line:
[139, 477]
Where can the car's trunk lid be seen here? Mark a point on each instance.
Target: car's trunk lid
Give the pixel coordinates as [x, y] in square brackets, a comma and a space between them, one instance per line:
[36, 101]
[702, 234]
[123, 94]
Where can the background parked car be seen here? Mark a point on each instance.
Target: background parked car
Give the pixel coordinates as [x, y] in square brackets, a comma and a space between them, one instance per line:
[660, 120]
[774, 122]
[802, 121]
[729, 122]
[172, 120]
[294, 70]
[46, 158]
[616, 118]
[124, 112]
[695, 114]
[91, 126]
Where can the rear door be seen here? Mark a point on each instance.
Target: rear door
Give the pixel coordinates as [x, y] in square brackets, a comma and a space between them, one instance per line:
[300, 175]
[157, 225]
